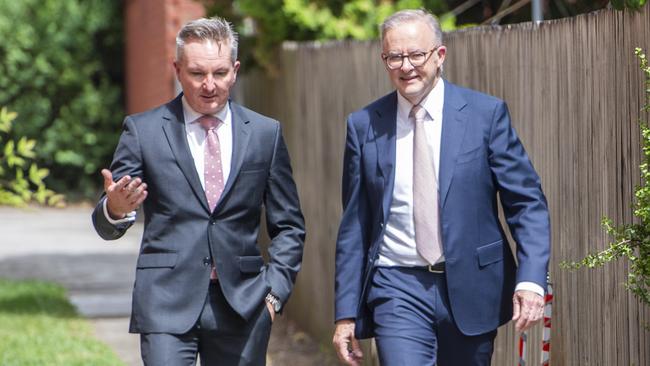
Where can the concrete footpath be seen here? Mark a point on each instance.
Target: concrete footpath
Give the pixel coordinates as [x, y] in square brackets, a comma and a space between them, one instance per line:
[61, 245]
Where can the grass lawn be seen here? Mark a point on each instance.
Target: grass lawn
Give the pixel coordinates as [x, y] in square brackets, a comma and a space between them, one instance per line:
[38, 326]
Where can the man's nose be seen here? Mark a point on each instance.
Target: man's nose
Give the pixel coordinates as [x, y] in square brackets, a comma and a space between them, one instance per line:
[208, 83]
[406, 65]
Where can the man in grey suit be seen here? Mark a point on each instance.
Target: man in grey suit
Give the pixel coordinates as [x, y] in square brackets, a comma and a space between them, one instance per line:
[202, 167]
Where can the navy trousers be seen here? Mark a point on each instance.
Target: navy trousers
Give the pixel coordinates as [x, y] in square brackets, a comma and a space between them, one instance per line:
[220, 337]
[414, 325]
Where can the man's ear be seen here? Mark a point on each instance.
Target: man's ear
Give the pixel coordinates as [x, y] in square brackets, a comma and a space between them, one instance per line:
[235, 69]
[442, 52]
[177, 68]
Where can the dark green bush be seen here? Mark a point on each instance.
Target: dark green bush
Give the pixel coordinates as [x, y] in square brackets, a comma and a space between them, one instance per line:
[61, 70]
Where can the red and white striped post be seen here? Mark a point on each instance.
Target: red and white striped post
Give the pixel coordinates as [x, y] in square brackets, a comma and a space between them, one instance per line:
[546, 335]
[523, 337]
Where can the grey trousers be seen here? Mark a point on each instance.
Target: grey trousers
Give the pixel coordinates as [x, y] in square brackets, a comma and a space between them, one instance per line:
[220, 338]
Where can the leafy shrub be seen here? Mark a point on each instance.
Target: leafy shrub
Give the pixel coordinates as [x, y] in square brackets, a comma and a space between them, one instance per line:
[21, 180]
[60, 69]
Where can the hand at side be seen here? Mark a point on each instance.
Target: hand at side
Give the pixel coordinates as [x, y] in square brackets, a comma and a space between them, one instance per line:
[528, 309]
[346, 345]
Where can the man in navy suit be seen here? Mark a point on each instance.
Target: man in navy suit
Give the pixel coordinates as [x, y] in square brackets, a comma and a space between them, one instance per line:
[422, 261]
[202, 167]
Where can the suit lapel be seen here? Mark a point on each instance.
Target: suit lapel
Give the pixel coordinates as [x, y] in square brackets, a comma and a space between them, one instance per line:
[174, 128]
[384, 127]
[454, 122]
[240, 137]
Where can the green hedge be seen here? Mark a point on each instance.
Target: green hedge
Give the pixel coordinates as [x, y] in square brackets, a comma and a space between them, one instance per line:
[61, 68]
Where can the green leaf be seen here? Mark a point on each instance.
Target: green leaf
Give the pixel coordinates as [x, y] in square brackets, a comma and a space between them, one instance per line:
[448, 22]
[25, 147]
[6, 119]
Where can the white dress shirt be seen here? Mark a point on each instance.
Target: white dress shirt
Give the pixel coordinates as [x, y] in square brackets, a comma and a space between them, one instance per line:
[397, 247]
[196, 138]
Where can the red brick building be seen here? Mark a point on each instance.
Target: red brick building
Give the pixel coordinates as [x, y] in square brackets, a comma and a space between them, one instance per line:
[150, 28]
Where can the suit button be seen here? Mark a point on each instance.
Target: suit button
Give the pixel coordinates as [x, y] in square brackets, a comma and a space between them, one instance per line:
[212, 222]
[206, 261]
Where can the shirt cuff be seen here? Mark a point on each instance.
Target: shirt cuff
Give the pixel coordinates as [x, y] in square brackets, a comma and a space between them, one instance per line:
[130, 217]
[530, 286]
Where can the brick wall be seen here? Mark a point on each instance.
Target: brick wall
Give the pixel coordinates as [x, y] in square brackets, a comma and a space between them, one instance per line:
[151, 27]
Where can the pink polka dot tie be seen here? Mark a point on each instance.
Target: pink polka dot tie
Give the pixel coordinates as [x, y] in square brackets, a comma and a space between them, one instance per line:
[212, 170]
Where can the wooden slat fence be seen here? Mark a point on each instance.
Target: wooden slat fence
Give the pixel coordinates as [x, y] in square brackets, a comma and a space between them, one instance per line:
[574, 90]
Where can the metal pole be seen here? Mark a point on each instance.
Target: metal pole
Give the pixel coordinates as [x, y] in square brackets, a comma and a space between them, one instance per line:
[537, 15]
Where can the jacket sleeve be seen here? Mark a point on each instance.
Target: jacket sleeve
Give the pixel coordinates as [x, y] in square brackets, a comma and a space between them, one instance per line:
[524, 203]
[285, 222]
[350, 253]
[127, 160]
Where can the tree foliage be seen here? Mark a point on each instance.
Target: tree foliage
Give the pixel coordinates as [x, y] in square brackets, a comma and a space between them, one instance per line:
[630, 4]
[60, 69]
[264, 24]
[632, 241]
[21, 180]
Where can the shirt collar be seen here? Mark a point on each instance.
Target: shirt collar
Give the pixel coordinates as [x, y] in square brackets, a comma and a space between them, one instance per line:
[432, 102]
[192, 116]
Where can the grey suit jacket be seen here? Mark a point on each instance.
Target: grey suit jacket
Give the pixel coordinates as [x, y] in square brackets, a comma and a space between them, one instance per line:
[181, 234]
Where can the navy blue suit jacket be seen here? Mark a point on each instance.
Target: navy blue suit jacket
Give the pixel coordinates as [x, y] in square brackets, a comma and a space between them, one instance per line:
[482, 162]
[181, 234]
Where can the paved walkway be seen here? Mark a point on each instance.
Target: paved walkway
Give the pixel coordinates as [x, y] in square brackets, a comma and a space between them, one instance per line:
[62, 246]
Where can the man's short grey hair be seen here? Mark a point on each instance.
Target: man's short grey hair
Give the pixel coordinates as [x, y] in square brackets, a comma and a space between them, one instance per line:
[412, 15]
[214, 29]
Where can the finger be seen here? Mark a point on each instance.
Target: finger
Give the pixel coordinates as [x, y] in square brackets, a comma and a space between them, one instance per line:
[108, 178]
[519, 326]
[140, 199]
[356, 348]
[137, 197]
[516, 308]
[521, 320]
[341, 351]
[527, 325]
[341, 345]
[530, 317]
[134, 189]
[133, 185]
[120, 184]
[353, 362]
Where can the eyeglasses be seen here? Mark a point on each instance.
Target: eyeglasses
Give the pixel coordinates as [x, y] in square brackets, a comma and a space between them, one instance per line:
[417, 58]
